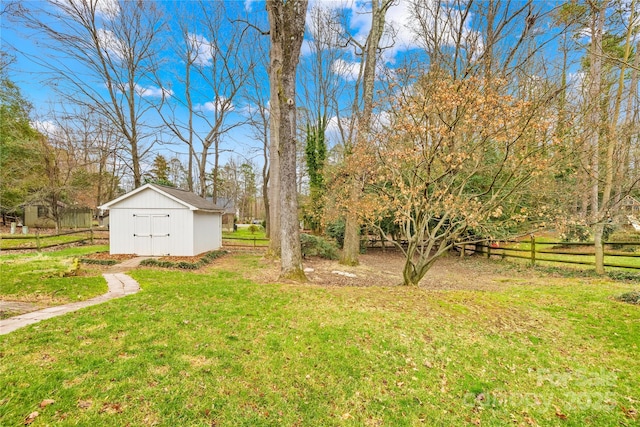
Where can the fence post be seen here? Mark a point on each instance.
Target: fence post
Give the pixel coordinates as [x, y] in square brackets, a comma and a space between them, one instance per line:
[38, 240]
[254, 242]
[488, 250]
[91, 232]
[533, 250]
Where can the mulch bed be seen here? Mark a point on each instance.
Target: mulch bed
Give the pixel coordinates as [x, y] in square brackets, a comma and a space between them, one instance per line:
[106, 256]
[191, 259]
[124, 257]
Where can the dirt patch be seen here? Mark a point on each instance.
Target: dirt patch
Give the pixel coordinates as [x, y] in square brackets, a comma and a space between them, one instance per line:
[15, 308]
[106, 256]
[379, 268]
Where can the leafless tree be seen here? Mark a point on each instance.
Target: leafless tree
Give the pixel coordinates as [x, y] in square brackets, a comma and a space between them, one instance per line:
[362, 112]
[101, 54]
[215, 67]
[604, 138]
[286, 31]
[257, 113]
[80, 158]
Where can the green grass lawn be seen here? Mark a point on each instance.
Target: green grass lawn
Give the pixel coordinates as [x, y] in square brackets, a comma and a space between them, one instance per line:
[8, 241]
[39, 277]
[194, 349]
[243, 237]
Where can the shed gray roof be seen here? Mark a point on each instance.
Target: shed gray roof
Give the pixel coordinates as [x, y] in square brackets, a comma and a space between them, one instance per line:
[227, 204]
[192, 200]
[189, 198]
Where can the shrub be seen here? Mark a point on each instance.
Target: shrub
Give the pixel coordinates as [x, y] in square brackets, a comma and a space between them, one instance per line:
[608, 231]
[335, 230]
[624, 236]
[206, 259]
[624, 275]
[632, 297]
[253, 228]
[576, 233]
[99, 261]
[317, 246]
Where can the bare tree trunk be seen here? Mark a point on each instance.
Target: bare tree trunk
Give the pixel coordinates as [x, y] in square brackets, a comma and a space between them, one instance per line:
[595, 71]
[260, 124]
[612, 137]
[265, 189]
[202, 173]
[351, 248]
[593, 138]
[286, 22]
[351, 245]
[189, 137]
[629, 121]
[274, 158]
[612, 143]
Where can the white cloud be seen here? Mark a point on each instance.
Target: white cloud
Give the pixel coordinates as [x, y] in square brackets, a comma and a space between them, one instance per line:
[220, 105]
[333, 124]
[106, 9]
[46, 127]
[152, 91]
[381, 120]
[323, 22]
[399, 19]
[248, 5]
[346, 69]
[202, 49]
[110, 43]
[332, 132]
[577, 82]
[358, 14]
[252, 110]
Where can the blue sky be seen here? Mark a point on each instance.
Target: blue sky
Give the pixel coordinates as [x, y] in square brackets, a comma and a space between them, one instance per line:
[239, 141]
[32, 77]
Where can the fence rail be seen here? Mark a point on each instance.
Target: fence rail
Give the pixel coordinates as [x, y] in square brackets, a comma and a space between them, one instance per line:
[504, 249]
[254, 242]
[40, 240]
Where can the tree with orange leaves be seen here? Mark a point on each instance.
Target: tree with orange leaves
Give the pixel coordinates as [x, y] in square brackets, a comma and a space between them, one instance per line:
[454, 160]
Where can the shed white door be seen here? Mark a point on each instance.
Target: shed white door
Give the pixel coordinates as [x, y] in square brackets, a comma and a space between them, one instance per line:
[151, 234]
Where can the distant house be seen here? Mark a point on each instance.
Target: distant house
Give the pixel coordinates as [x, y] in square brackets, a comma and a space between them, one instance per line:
[630, 206]
[229, 215]
[158, 220]
[40, 216]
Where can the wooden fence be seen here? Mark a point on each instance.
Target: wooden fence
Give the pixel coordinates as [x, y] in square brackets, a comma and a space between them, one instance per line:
[75, 218]
[43, 241]
[541, 251]
[245, 242]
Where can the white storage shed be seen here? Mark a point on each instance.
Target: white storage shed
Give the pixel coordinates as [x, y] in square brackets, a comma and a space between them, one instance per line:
[158, 220]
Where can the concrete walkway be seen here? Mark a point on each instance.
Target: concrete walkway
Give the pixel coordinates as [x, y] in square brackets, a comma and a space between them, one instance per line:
[120, 285]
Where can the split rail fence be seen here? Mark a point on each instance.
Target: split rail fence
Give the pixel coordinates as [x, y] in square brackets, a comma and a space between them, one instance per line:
[557, 252]
[244, 242]
[42, 241]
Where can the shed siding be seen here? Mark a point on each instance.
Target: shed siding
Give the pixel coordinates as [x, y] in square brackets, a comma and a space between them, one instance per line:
[148, 197]
[122, 229]
[149, 223]
[207, 232]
